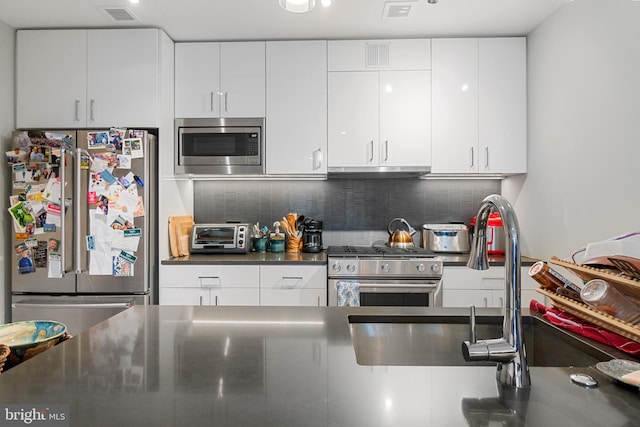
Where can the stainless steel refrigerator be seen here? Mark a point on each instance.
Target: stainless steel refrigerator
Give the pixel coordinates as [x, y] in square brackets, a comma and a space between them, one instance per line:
[82, 209]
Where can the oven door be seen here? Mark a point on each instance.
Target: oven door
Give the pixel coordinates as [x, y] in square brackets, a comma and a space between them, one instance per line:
[393, 293]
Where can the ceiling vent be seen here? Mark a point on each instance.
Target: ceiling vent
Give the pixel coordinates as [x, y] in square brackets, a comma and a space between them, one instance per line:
[397, 9]
[119, 14]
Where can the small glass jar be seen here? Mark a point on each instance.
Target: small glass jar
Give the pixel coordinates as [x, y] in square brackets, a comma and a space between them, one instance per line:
[599, 294]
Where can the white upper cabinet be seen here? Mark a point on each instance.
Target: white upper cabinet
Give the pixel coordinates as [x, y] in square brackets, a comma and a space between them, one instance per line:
[379, 105]
[479, 105]
[87, 78]
[220, 80]
[296, 137]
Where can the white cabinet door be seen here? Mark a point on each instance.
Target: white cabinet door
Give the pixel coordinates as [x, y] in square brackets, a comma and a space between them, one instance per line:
[122, 84]
[405, 118]
[502, 110]
[479, 105]
[455, 105]
[87, 78]
[51, 78]
[353, 119]
[210, 285]
[234, 296]
[197, 74]
[296, 85]
[293, 285]
[242, 79]
[220, 79]
[183, 296]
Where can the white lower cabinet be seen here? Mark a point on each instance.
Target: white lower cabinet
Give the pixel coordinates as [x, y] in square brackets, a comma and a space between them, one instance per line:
[463, 287]
[274, 285]
[289, 285]
[210, 285]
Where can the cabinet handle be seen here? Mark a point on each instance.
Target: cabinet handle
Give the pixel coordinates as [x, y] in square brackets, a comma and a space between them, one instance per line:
[216, 299]
[285, 280]
[486, 302]
[501, 301]
[201, 300]
[91, 108]
[371, 151]
[225, 102]
[471, 157]
[486, 157]
[317, 159]
[77, 110]
[211, 102]
[386, 151]
[208, 281]
[318, 301]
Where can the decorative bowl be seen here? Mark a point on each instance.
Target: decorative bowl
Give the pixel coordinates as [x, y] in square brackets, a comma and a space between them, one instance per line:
[27, 339]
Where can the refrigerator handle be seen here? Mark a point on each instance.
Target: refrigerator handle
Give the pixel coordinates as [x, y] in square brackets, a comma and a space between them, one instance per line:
[87, 305]
[77, 223]
[63, 198]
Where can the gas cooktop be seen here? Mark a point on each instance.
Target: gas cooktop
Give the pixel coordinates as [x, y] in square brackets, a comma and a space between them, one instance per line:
[378, 251]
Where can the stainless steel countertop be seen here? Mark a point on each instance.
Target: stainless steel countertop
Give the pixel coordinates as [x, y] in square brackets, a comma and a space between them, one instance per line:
[285, 366]
[305, 258]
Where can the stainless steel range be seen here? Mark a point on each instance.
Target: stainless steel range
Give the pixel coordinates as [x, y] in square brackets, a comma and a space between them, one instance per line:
[386, 276]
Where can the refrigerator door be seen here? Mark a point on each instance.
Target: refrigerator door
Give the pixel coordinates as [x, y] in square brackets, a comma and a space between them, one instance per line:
[78, 313]
[98, 267]
[43, 276]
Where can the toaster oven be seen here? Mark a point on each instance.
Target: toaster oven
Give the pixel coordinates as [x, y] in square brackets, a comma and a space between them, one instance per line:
[220, 238]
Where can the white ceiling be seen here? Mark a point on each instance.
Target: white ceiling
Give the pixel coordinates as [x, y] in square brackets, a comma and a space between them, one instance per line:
[188, 20]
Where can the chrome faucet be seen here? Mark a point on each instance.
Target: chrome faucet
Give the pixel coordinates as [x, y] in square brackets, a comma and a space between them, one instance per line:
[509, 351]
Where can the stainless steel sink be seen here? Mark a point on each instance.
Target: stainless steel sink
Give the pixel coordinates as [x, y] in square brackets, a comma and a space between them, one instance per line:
[417, 340]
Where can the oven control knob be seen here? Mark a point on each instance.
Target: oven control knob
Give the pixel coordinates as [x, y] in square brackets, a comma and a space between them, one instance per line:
[385, 268]
[421, 268]
[336, 267]
[435, 268]
[351, 268]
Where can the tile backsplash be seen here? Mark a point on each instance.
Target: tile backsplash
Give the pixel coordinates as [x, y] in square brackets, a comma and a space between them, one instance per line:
[353, 211]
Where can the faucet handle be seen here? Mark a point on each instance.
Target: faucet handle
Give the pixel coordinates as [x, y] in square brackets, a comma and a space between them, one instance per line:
[472, 324]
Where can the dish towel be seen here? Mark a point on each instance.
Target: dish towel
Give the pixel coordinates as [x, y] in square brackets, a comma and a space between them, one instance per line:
[348, 294]
[579, 326]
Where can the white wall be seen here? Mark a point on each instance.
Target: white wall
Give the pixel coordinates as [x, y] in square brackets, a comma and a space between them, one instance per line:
[7, 43]
[584, 128]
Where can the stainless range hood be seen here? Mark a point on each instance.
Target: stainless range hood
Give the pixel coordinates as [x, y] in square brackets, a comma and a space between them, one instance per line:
[378, 171]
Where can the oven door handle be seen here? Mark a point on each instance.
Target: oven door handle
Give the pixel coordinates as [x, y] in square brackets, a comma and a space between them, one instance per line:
[399, 288]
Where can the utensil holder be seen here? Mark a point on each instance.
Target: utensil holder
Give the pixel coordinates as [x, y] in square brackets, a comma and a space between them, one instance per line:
[294, 244]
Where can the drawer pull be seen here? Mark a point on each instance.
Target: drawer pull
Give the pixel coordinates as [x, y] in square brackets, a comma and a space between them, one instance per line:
[289, 282]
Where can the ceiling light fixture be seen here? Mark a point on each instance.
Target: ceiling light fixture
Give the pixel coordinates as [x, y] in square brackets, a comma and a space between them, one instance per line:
[298, 6]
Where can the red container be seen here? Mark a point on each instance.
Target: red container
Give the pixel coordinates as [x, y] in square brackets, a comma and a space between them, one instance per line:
[495, 234]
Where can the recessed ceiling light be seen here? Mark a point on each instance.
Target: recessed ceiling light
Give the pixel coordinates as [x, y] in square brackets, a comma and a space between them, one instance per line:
[298, 6]
[134, 1]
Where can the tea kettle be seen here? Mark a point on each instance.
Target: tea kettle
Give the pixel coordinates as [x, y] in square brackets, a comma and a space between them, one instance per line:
[399, 238]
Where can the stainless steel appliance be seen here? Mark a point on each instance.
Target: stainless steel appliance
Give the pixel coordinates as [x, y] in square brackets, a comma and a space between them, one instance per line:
[312, 236]
[220, 146]
[84, 225]
[446, 238]
[220, 238]
[386, 276]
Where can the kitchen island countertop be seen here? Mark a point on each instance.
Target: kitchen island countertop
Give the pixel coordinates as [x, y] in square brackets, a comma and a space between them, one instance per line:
[275, 366]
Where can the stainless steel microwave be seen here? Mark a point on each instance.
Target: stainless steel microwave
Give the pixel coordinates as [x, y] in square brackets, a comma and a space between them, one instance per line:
[220, 146]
